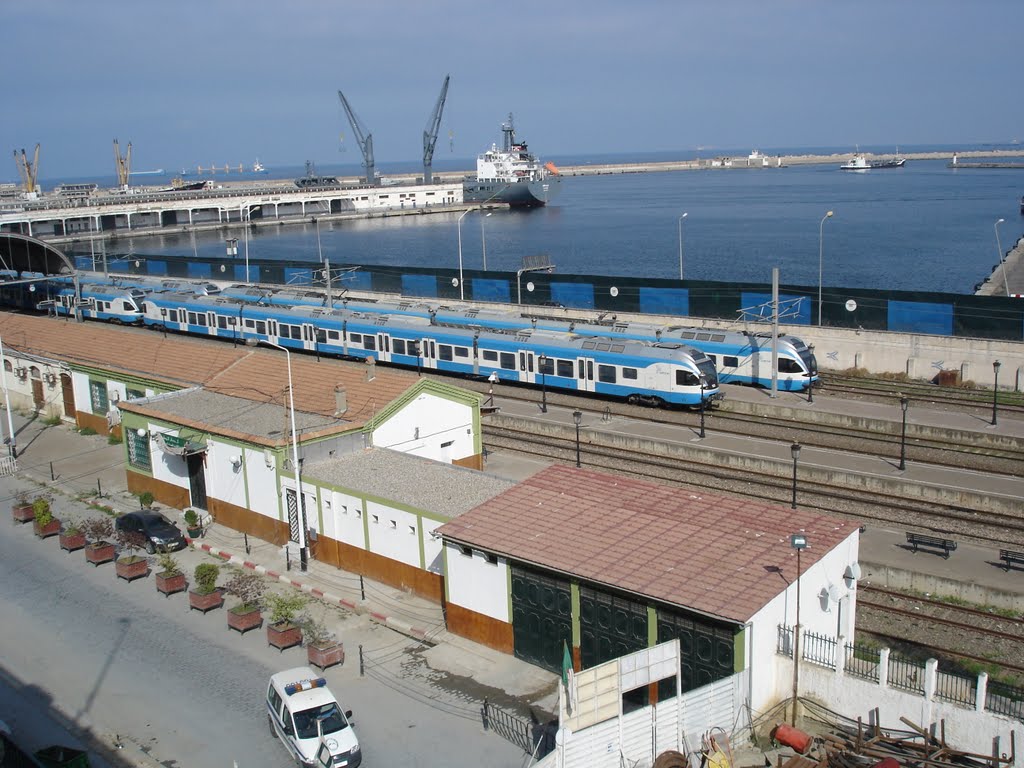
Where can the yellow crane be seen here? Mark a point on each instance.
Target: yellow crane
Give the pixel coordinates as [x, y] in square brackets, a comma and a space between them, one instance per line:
[124, 164]
[29, 171]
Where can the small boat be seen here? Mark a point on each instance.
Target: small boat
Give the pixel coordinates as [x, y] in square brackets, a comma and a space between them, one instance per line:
[861, 163]
[257, 167]
[512, 175]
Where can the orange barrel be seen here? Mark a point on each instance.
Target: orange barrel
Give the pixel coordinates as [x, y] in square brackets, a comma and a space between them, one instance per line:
[792, 737]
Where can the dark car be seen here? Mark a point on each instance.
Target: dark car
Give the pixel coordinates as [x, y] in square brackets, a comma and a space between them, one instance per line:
[161, 534]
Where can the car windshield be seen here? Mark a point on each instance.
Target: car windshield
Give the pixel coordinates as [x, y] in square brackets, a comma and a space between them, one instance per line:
[157, 524]
[329, 715]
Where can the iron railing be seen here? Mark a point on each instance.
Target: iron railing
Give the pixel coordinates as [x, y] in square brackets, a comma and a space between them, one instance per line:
[514, 729]
[957, 688]
[1005, 699]
[862, 661]
[906, 675]
[818, 649]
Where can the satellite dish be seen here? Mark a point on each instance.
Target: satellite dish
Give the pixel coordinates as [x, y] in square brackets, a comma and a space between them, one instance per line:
[613, 291]
[834, 593]
[852, 572]
[850, 305]
[530, 286]
[455, 281]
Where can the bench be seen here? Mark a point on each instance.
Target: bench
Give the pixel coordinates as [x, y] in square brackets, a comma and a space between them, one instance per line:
[936, 542]
[1010, 557]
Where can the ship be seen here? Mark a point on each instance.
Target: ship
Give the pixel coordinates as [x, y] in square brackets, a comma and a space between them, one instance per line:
[312, 180]
[861, 163]
[512, 175]
[257, 167]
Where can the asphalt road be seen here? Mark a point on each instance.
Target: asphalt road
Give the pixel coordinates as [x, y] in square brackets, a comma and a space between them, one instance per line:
[121, 662]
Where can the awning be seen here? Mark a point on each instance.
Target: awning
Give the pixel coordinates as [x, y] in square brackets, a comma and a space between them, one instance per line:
[178, 446]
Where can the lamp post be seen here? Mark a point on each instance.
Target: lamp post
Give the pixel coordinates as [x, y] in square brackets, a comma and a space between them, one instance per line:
[577, 417]
[821, 253]
[703, 384]
[543, 361]
[319, 251]
[462, 288]
[995, 390]
[795, 450]
[483, 236]
[680, 223]
[798, 542]
[1002, 261]
[247, 217]
[904, 404]
[810, 378]
[303, 544]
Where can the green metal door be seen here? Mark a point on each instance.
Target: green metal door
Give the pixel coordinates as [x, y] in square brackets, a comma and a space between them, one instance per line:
[541, 617]
[706, 647]
[610, 626]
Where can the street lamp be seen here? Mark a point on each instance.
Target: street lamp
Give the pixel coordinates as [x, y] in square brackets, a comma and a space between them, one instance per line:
[795, 450]
[577, 417]
[904, 404]
[543, 361]
[483, 236]
[798, 542]
[247, 218]
[995, 390]
[303, 545]
[810, 377]
[821, 251]
[1002, 261]
[703, 384]
[681, 244]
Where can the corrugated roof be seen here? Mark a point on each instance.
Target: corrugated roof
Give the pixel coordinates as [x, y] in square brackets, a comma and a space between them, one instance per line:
[713, 554]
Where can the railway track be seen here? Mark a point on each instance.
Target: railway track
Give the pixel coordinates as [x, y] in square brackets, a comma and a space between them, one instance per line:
[889, 390]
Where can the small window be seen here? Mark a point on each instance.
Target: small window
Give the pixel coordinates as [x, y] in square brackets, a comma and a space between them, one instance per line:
[369, 342]
[588, 344]
[788, 365]
[359, 514]
[412, 530]
[508, 361]
[394, 525]
[629, 373]
[462, 352]
[728, 361]
[467, 551]
[333, 336]
[376, 519]
[564, 368]
[344, 509]
[261, 326]
[686, 379]
[490, 356]
[546, 366]
[399, 346]
[355, 338]
[606, 373]
[492, 559]
[714, 359]
[444, 352]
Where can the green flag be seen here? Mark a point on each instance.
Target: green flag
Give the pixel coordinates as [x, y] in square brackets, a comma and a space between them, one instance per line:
[566, 663]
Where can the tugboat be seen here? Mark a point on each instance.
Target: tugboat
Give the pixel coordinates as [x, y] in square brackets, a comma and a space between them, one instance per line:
[512, 175]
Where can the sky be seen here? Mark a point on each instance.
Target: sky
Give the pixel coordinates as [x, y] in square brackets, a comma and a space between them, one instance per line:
[199, 82]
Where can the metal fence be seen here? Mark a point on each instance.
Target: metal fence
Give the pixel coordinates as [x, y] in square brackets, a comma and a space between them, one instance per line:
[906, 675]
[818, 649]
[1005, 699]
[863, 661]
[957, 688]
[784, 641]
[517, 730]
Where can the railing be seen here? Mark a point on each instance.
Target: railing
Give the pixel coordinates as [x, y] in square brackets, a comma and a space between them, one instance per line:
[818, 649]
[513, 728]
[8, 466]
[1005, 699]
[957, 688]
[862, 661]
[906, 675]
[784, 641]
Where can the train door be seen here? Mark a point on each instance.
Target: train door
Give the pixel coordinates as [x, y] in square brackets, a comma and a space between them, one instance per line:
[428, 353]
[309, 336]
[527, 367]
[584, 374]
[383, 347]
[272, 330]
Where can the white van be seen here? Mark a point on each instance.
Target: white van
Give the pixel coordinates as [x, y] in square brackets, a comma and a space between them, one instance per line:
[304, 714]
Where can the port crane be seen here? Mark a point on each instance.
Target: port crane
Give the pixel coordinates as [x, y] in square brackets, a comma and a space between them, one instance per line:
[124, 165]
[29, 171]
[363, 138]
[430, 133]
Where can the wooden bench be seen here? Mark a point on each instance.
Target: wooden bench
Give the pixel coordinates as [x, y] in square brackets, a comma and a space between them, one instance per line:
[1011, 558]
[936, 542]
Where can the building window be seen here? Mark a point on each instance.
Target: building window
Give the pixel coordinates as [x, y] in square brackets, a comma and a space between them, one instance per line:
[467, 551]
[98, 396]
[492, 559]
[138, 450]
[394, 525]
[376, 519]
[412, 530]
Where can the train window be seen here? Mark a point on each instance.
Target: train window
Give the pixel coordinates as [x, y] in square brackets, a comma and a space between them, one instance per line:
[369, 342]
[508, 361]
[333, 336]
[713, 359]
[606, 373]
[728, 361]
[629, 373]
[222, 322]
[687, 335]
[399, 345]
[489, 356]
[321, 336]
[703, 337]
[564, 368]
[355, 338]
[261, 326]
[686, 379]
[718, 337]
[546, 366]
[603, 346]
[444, 352]
[618, 347]
[788, 365]
[588, 344]
[462, 352]
[172, 316]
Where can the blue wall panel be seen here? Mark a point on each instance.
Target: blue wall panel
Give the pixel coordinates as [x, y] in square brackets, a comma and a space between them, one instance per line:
[419, 285]
[156, 267]
[665, 301]
[490, 290]
[921, 317]
[579, 295]
[795, 310]
[200, 269]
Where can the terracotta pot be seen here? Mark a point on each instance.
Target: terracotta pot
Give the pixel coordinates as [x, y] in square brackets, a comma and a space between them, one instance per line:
[169, 584]
[52, 528]
[243, 622]
[23, 513]
[205, 602]
[131, 568]
[99, 552]
[195, 533]
[284, 635]
[72, 541]
[326, 656]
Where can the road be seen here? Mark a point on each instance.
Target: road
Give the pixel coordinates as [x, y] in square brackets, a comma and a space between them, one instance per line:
[128, 665]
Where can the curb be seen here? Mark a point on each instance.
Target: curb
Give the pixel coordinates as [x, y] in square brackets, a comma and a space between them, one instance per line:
[395, 624]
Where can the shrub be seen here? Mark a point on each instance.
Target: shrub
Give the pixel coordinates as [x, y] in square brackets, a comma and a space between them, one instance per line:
[87, 431]
[169, 565]
[191, 518]
[146, 499]
[41, 508]
[248, 588]
[71, 527]
[283, 606]
[98, 529]
[131, 542]
[316, 632]
[113, 439]
[206, 577]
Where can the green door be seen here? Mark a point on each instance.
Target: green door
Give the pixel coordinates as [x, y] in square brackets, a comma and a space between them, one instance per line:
[541, 617]
[610, 626]
[706, 647]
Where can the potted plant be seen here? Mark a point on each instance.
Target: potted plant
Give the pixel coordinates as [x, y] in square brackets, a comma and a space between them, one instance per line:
[248, 588]
[323, 649]
[283, 631]
[130, 565]
[23, 510]
[98, 531]
[72, 537]
[170, 578]
[205, 597]
[44, 523]
[192, 524]
[146, 499]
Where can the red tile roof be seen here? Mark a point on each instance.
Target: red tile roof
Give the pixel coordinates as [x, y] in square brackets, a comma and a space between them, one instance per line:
[707, 553]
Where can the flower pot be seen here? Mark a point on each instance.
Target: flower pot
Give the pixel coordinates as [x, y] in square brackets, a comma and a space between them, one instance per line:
[195, 533]
[326, 656]
[52, 528]
[171, 583]
[23, 513]
[131, 568]
[284, 635]
[99, 552]
[72, 541]
[206, 602]
[243, 622]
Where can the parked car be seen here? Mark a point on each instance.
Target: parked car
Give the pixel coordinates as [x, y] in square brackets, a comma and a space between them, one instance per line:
[161, 534]
[303, 713]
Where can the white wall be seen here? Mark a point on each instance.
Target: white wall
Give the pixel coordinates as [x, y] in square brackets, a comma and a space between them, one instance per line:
[433, 548]
[476, 584]
[262, 483]
[167, 468]
[346, 522]
[422, 426]
[224, 480]
[393, 533]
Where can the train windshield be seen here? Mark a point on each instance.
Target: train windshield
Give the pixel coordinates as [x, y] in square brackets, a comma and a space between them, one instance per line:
[809, 360]
[707, 369]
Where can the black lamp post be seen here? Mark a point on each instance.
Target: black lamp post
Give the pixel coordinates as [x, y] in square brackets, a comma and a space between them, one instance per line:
[702, 385]
[577, 417]
[543, 360]
[995, 390]
[795, 449]
[798, 542]
[904, 403]
[810, 378]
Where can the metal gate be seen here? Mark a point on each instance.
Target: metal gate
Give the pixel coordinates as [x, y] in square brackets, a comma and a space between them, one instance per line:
[707, 648]
[541, 617]
[610, 626]
[292, 502]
